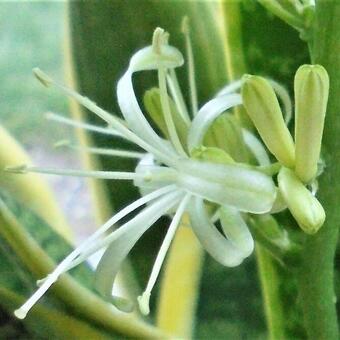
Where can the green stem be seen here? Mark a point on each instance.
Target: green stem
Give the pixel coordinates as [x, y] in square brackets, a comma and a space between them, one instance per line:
[236, 67]
[316, 275]
[270, 291]
[79, 299]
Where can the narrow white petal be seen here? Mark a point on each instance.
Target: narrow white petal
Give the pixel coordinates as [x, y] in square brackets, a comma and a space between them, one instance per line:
[135, 118]
[236, 229]
[256, 147]
[245, 189]
[165, 203]
[221, 249]
[65, 264]
[148, 59]
[207, 114]
[145, 59]
[144, 299]
[120, 243]
[230, 88]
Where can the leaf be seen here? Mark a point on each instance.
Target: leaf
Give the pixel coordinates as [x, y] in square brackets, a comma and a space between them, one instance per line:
[42, 321]
[29, 237]
[54, 245]
[17, 283]
[32, 189]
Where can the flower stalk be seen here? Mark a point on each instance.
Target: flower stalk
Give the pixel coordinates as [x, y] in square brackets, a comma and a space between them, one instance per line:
[316, 273]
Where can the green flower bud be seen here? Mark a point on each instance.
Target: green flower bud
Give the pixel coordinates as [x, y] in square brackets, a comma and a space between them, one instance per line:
[226, 133]
[213, 155]
[264, 110]
[311, 87]
[306, 209]
[152, 103]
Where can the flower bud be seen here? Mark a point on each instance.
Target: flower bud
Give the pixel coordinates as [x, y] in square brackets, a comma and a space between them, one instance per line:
[153, 106]
[226, 133]
[211, 154]
[306, 209]
[264, 110]
[311, 87]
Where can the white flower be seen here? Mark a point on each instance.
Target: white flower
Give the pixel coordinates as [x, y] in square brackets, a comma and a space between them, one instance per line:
[169, 179]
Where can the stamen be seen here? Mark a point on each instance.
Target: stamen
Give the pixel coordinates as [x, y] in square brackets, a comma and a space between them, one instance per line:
[177, 95]
[101, 151]
[191, 66]
[142, 220]
[80, 125]
[109, 118]
[42, 77]
[119, 175]
[144, 299]
[64, 265]
[158, 40]
[167, 112]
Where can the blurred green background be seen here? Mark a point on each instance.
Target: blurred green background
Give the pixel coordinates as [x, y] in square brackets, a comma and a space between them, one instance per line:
[31, 35]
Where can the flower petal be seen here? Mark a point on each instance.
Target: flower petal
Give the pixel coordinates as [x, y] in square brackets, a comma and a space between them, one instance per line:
[121, 241]
[236, 229]
[221, 249]
[145, 59]
[207, 114]
[234, 185]
[256, 147]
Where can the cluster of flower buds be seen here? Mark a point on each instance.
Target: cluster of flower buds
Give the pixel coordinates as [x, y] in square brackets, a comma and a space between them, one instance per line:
[299, 159]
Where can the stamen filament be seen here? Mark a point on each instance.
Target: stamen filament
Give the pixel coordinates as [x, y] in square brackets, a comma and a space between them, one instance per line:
[177, 96]
[119, 175]
[167, 112]
[191, 66]
[106, 116]
[102, 151]
[71, 122]
[144, 299]
[172, 196]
